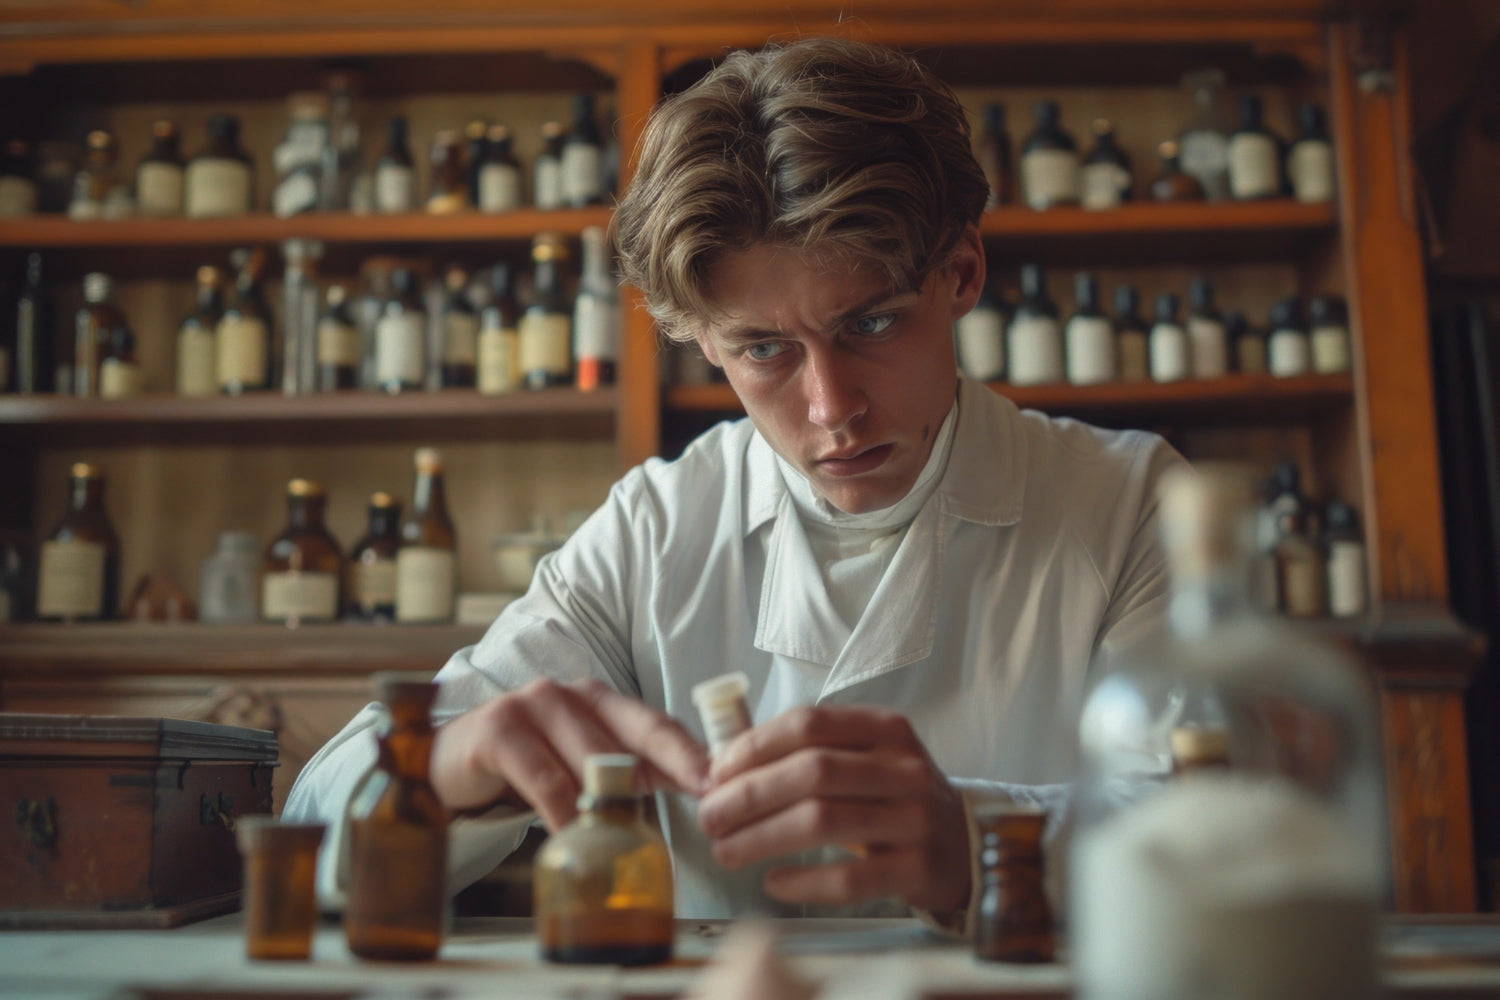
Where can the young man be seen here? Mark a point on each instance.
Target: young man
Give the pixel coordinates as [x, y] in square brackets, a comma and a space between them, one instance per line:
[915, 576]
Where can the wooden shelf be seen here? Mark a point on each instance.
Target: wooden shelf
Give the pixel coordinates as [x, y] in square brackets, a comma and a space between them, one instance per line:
[130, 648]
[455, 414]
[1234, 399]
[1158, 233]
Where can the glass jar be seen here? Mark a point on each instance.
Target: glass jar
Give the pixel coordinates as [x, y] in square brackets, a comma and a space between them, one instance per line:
[226, 585]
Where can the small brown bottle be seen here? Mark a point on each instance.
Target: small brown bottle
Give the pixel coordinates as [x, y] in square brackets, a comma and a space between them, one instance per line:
[398, 834]
[120, 375]
[1172, 184]
[602, 885]
[91, 333]
[372, 563]
[196, 373]
[302, 568]
[545, 332]
[79, 573]
[159, 176]
[242, 338]
[220, 180]
[1014, 923]
[458, 332]
[449, 191]
[95, 181]
[427, 563]
[340, 351]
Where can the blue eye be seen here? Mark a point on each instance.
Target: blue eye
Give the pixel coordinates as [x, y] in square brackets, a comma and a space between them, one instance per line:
[764, 351]
[869, 326]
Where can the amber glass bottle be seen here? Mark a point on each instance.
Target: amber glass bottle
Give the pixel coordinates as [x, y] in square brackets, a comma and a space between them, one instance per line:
[372, 563]
[603, 883]
[546, 329]
[79, 574]
[398, 834]
[302, 567]
[91, 332]
[242, 338]
[426, 565]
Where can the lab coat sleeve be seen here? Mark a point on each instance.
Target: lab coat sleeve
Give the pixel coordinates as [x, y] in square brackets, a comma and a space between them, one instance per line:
[572, 624]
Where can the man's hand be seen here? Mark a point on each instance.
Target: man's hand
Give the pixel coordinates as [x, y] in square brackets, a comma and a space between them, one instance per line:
[852, 776]
[527, 747]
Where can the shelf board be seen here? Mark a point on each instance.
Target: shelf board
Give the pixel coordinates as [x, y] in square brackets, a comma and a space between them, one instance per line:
[1229, 400]
[126, 648]
[456, 414]
[1158, 233]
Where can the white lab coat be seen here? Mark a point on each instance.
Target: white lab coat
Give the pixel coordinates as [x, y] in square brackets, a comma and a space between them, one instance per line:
[1035, 558]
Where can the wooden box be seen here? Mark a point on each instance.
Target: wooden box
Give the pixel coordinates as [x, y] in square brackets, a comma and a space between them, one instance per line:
[124, 822]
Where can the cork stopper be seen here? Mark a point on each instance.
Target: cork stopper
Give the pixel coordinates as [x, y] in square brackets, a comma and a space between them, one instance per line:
[548, 246]
[609, 775]
[429, 460]
[304, 488]
[722, 709]
[382, 499]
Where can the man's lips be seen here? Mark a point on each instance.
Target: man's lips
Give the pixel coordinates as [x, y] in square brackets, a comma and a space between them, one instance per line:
[854, 463]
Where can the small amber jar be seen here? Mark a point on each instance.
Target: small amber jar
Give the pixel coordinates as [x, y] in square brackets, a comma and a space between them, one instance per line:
[281, 905]
[1014, 923]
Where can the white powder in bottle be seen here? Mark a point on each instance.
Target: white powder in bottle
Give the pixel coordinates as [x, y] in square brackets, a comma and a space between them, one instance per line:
[1224, 887]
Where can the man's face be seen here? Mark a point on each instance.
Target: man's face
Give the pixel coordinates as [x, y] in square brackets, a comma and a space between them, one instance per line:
[846, 378]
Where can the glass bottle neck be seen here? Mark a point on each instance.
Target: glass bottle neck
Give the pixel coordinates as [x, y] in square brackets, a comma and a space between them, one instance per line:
[87, 494]
[428, 496]
[305, 513]
[409, 750]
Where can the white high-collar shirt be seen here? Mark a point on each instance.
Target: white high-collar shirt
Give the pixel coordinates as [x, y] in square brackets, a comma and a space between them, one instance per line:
[1031, 562]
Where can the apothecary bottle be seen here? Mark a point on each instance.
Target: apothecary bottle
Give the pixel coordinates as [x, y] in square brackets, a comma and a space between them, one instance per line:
[226, 583]
[449, 186]
[1171, 352]
[340, 347]
[1208, 340]
[19, 192]
[395, 174]
[1265, 871]
[91, 332]
[220, 180]
[596, 314]
[1089, 337]
[1204, 142]
[242, 339]
[546, 331]
[499, 341]
[371, 587]
[995, 157]
[1247, 342]
[1254, 154]
[196, 371]
[1034, 342]
[302, 567]
[602, 885]
[1288, 349]
[1049, 161]
[583, 156]
[36, 347]
[160, 175]
[401, 336]
[1172, 184]
[546, 169]
[78, 574]
[499, 174]
[427, 562]
[1014, 922]
[1328, 334]
[1105, 178]
[1309, 162]
[1348, 583]
[1132, 338]
[120, 374]
[95, 184]
[458, 332]
[398, 834]
[980, 334]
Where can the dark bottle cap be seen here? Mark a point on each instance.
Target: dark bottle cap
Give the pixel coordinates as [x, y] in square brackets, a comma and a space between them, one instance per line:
[500, 278]
[1033, 281]
[403, 280]
[994, 117]
[1327, 310]
[1251, 110]
[226, 127]
[1201, 295]
[1286, 315]
[1341, 517]
[1127, 301]
[1166, 307]
[395, 129]
[1086, 292]
[1045, 112]
[583, 106]
[1312, 120]
[1235, 324]
[1288, 478]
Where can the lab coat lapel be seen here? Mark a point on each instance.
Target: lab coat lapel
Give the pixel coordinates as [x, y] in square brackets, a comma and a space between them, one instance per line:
[797, 618]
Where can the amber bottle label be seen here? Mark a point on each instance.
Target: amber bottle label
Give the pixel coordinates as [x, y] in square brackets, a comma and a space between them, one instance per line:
[338, 344]
[373, 583]
[425, 584]
[299, 596]
[70, 583]
[158, 189]
[400, 349]
[499, 361]
[241, 352]
[217, 187]
[546, 343]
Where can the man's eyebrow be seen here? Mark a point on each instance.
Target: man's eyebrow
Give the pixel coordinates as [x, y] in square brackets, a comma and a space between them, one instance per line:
[747, 334]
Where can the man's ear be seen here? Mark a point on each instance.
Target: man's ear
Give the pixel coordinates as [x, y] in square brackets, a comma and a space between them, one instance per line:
[706, 345]
[968, 268]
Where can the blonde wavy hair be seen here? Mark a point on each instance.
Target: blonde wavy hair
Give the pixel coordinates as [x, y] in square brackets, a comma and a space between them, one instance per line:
[831, 147]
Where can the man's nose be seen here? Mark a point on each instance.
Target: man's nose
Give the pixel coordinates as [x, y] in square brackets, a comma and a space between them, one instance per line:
[835, 398]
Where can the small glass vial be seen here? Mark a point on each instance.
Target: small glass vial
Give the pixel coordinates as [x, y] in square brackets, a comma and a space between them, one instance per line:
[722, 709]
[281, 902]
[1014, 922]
[398, 834]
[603, 883]
[226, 585]
[1172, 184]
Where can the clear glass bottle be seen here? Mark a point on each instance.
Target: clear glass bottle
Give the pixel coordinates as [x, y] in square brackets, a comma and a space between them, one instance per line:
[98, 316]
[398, 834]
[427, 563]
[1171, 353]
[458, 332]
[1204, 143]
[1328, 336]
[546, 170]
[1288, 349]
[78, 572]
[1208, 339]
[596, 314]
[448, 186]
[226, 583]
[499, 341]
[1249, 344]
[980, 334]
[602, 885]
[1309, 162]
[299, 315]
[1260, 877]
[372, 563]
[160, 174]
[1034, 342]
[299, 158]
[196, 371]
[546, 330]
[242, 338]
[1049, 161]
[340, 346]
[302, 567]
[582, 162]
[96, 179]
[1132, 337]
[1172, 184]
[395, 173]
[220, 180]
[994, 154]
[19, 192]
[1254, 154]
[1089, 336]
[1105, 179]
[401, 336]
[35, 357]
[500, 174]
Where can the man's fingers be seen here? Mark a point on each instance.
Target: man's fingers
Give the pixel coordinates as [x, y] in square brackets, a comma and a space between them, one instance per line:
[893, 871]
[673, 759]
[813, 823]
[536, 772]
[848, 727]
[806, 774]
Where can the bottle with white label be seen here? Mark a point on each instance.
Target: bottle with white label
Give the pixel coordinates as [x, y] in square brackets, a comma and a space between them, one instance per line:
[499, 342]
[340, 347]
[458, 330]
[546, 329]
[1034, 342]
[120, 374]
[1348, 588]
[583, 156]
[159, 175]
[78, 573]
[427, 562]
[1254, 154]
[980, 335]
[596, 314]
[299, 158]
[499, 174]
[401, 336]
[546, 170]
[1105, 176]
[395, 173]
[97, 193]
[1309, 163]
[91, 330]
[1090, 336]
[1301, 564]
[1049, 161]
[1208, 340]
[242, 339]
[1288, 350]
[1248, 344]
[303, 567]
[371, 589]
[220, 180]
[1132, 338]
[1328, 320]
[993, 152]
[1204, 143]
[19, 192]
[1171, 352]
